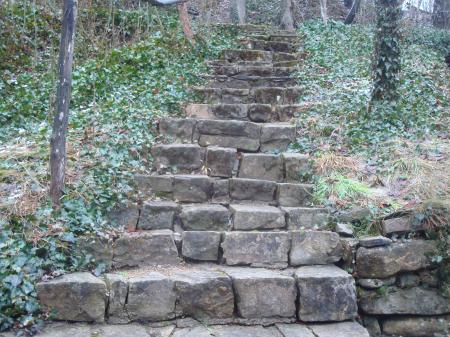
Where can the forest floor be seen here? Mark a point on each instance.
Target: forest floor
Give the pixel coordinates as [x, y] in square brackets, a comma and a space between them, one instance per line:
[394, 158]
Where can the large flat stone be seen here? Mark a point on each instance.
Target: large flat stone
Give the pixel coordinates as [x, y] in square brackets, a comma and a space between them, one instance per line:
[220, 161]
[413, 301]
[151, 297]
[148, 248]
[256, 249]
[205, 217]
[404, 224]
[294, 330]
[135, 330]
[345, 329]
[294, 195]
[382, 262]
[299, 218]
[221, 191]
[276, 137]
[197, 331]
[244, 331]
[261, 166]
[201, 246]
[252, 287]
[417, 326]
[177, 129]
[192, 188]
[252, 217]
[204, 294]
[240, 143]
[148, 184]
[252, 190]
[326, 293]
[157, 215]
[178, 158]
[315, 247]
[78, 297]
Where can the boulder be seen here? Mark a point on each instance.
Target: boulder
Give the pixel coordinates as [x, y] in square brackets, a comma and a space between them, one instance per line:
[417, 326]
[314, 248]
[306, 218]
[294, 195]
[192, 188]
[201, 246]
[77, 297]
[220, 161]
[205, 217]
[252, 190]
[326, 293]
[261, 166]
[157, 215]
[253, 217]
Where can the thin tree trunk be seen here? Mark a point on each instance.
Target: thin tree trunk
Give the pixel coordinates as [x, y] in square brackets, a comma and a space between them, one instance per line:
[441, 14]
[61, 119]
[352, 14]
[241, 11]
[287, 15]
[324, 11]
[185, 22]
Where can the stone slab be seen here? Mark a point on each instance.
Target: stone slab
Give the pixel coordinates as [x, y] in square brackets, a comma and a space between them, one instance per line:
[345, 329]
[253, 217]
[205, 217]
[294, 195]
[201, 246]
[192, 188]
[252, 190]
[157, 215]
[261, 166]
[315, 248]
[299, 218]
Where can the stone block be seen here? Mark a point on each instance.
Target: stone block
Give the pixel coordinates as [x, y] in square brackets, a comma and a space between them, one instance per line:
[151, 297]
[220, 161]
[260, 113]
[148, 248]
[374, 241]
[118, 292]
[205, 217]
[261, 166]
[202, 111]
[252, 190]
[252, 288]
[417, 326]
[326, 293]
[244, 331]
[77, 297]
[404, 224]
[296, 167]
[178, 157]
[221, 191]
[192, 188]
[254, 217]
[99, 248]
[125, 216]
[204, 294]
[306, 218]
[294, 195]
[375, 283]
[345, 329]
[294, 330]
[230, 111]
[201, 246]
[240, 143]
[382, 262]
[178, 129]
[276, 137]
[157, 215]
[148, 184]
[270, 95]
[256, 248]
[315, 247]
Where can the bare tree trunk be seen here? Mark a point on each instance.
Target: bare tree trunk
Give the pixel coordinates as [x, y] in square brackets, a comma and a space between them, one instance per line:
[61, 119]
[241, 11]
[352, 14]
[323, 11]
[185, 22]
[441, 14]
[287, 15]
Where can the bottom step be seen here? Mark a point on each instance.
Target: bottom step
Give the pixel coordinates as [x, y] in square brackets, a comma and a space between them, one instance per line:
[195, 329]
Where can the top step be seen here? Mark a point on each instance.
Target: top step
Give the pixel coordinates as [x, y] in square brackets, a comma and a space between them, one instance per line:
[239, 55]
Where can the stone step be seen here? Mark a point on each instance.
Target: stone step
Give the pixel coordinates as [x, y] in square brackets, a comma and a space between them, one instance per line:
[258, 113]
[241, 135]
[271, 45]
[276, 37]
[208, 294]
[290, 63]
[179, 328]
[261, 95]
[236, 55]
[248, 82]
[248, 71]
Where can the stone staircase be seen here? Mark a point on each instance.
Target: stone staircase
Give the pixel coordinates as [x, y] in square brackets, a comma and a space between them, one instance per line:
[228, 233]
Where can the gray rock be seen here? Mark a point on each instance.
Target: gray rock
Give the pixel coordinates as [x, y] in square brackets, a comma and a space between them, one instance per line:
[204, 294]
[375, 283]
[344, 229]
[198, 331]
[306, 218]
[252, 190]
[417, 326]
[261, 166]
[148, 184]
[240, 143]
[99, 248]
[260, 113]
[404, 224]
[61, 329]
[294, 195]
[125, 216]
[244, 331]
[201, 246]
[345, 329]
[118, 292]
[179, 129]
[161, 332]
[354, 214]
[220, 161]
[178, 157]
[204, 217]
[382, 262]
[145, 249]
[277, 136]
[349, 246]
[296, 166]
[252, 217]
[372, 325]
[151, 297]
[252, 288]
[256, 249]
[408, 280]
[229, 111]
[157, 215]
[374, 241]
[315, 247]
[77, 297]
[327, 293]
[221, 191]
[294, 330]
[134, 330]
[429, 278]
[413, 301]
[192, 188]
